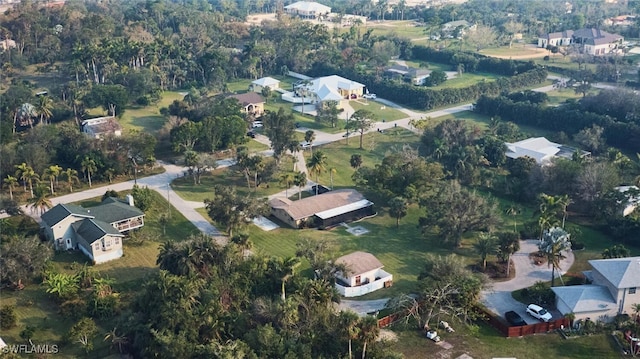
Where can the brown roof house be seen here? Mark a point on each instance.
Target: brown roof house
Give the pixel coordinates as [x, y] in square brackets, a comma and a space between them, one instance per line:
[251, 103]
[614, 289]
[322, 211]
[364, 275]
[101, 126]
[96, 231]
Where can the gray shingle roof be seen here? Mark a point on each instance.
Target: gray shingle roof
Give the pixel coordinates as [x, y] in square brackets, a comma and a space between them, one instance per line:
[585, 298]
[62, 211]
[621, 272]
[92, 229]
[112, 210]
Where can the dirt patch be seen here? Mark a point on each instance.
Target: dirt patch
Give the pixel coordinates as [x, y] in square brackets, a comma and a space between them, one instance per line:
[538, 258]
[387, 335]
[497, 271]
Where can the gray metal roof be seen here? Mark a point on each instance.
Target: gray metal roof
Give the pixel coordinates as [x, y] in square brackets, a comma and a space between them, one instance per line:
[585, 298]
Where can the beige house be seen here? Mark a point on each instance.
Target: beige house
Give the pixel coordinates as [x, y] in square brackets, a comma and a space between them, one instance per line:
[251, 103]
[97, 231]
[613, 290]
[259, 84]
[323, 89]
[364, 275]
[101, 126]
[322, 211]
[590, 41]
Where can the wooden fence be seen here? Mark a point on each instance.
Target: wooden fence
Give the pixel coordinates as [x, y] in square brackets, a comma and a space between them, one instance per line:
[509, 331]
[388, 320]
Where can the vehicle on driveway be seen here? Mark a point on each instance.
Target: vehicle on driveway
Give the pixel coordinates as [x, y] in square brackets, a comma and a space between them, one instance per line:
[514, 319]
[304, 145]
[370, 96]
[539, 313]
[257, 124]
[251, 134]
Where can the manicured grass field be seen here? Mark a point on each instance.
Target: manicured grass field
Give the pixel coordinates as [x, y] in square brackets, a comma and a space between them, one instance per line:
[381, 111]
[516, 50]
[406, 29]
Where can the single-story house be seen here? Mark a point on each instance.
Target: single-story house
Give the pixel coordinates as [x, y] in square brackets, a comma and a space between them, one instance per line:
[408, 74]
[259, 84]
[632, 194]
[308, 10]
[322, 89]
[251, 102]
[322, 211]
[563, 38]
[622, 20]
[96, 231]
[613, 290]
[541, 149]
[590, 41]
[363, 275]
[101, 126]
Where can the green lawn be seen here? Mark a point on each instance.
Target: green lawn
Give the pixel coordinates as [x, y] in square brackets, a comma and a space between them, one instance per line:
[306, 121]
[405, 29]
[488, 343]
[518, 49]
[229, 176]
[381, 111]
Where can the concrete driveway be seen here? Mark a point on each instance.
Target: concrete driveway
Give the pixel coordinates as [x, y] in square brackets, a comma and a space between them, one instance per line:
[498, 297]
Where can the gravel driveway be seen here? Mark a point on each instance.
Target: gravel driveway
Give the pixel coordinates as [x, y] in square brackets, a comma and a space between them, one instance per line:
[498, 297]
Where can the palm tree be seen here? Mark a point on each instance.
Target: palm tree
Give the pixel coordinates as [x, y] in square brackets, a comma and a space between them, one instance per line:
[309, 137]
[283, 269]
[88, 167]
[369, 332]
[294, 147]
[398, 209]
[10, 182]
[286, 179]
[507, 246]
[563, 202]
[44, 107]
[317, 165]
[20, 170]
[51, 173]
[303, 90]
[41, 199]
[300, 180]
[485, 245]
[71, 176]
[355, 161]
[554, 241]
[349, 324]
[332, 171]
[243, 241]
[513, 211]
[116, 340]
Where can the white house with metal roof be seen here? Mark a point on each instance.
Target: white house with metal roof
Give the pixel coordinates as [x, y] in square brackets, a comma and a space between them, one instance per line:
[541, 150]
[308, 10]
[613, 290]
[259, 84]
[323, 89]
[363, 275]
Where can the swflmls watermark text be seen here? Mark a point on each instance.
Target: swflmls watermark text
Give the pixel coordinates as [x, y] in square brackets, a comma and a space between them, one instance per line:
[31, 348]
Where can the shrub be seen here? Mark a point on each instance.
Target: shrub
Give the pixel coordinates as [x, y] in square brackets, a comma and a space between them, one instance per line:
[576, 246]
[8, 317]
[541, 294]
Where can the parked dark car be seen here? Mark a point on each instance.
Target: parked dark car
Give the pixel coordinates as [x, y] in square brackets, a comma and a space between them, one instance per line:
[251, 134]
[321, 189]
[514, 319]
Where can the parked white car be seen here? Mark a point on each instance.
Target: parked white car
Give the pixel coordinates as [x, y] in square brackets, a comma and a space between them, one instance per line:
[370, 96]
[304, 145]
[539, 313]
[257, 124]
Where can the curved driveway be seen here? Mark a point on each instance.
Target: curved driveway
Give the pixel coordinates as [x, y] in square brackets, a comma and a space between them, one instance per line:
[498, 298]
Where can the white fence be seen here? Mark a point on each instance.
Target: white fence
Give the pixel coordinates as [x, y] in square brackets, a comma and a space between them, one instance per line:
[366, 288]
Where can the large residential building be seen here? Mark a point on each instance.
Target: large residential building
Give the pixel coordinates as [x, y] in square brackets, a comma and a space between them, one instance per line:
[541, 150]
[308, 10]
[590, 41]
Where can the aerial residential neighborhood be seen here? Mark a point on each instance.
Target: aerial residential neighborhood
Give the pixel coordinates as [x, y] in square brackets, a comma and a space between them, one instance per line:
[320, 179]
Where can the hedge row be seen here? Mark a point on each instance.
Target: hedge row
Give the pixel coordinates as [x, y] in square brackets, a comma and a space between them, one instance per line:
[568, 118]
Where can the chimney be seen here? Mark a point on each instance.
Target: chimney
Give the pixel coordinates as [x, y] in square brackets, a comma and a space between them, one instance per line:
[130, 200]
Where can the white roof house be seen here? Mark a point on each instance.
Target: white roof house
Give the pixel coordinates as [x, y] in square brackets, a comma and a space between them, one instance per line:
[327, 94]
[591, 301]
[335, 82]
[540, 149]
[307, 9]
[327, 88]
[267, 82]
